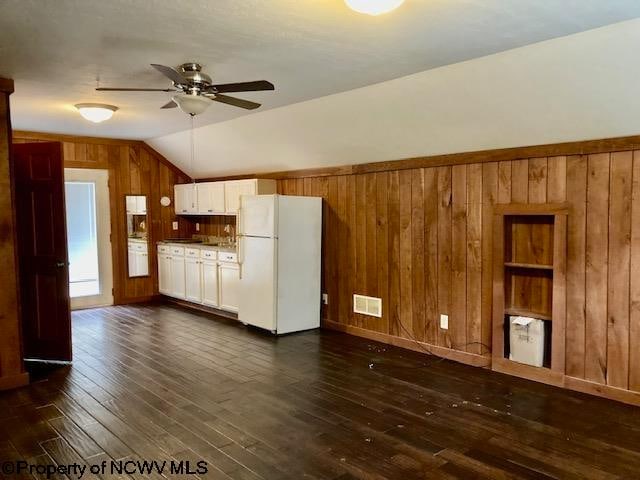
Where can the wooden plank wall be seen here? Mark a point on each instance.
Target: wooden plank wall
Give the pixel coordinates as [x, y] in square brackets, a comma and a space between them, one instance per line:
[421, 240]
[213, 225]
[134, 169]
[12, 373]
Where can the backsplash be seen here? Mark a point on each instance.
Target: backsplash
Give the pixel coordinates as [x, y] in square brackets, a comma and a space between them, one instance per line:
[213, 226]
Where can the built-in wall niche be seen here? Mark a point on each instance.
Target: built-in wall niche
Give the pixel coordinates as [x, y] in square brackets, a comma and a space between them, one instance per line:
[529, 248]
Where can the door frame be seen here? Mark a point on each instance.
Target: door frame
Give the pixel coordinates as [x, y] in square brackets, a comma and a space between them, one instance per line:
[100, 177]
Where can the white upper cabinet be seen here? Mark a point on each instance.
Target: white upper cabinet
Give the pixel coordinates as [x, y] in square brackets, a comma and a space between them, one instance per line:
[236, 188]
[218, 198]
[141, 204]
[185, 199]
[210, 198]
[136, 204]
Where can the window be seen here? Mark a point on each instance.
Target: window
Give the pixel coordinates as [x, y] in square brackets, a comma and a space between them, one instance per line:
[84, 277]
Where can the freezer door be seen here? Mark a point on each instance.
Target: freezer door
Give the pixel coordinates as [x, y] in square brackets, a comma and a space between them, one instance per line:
[257, 292]
[257, 216]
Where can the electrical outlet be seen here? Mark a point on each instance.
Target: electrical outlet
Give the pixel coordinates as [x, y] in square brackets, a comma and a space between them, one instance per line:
[325, 298]
[197, 227]
[175, 225]
[444, 322]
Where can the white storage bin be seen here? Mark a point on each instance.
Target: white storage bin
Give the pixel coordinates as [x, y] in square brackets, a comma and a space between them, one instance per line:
[526, 339]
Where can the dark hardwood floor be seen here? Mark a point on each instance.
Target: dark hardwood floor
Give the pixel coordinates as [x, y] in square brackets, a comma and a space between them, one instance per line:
[161, 383]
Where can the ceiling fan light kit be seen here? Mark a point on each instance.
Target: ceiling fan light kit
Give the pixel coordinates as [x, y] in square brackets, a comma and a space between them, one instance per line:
[373, 7]
[195, 89]
[191, 104]
[96, 112]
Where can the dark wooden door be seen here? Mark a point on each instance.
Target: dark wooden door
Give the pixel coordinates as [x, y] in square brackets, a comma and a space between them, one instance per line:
[42, 249]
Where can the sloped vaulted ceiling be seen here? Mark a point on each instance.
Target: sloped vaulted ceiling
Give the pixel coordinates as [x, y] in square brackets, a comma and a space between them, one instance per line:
[583, 86]
[55, 50]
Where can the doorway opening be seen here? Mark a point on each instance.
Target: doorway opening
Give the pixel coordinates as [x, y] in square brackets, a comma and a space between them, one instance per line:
[88, 237]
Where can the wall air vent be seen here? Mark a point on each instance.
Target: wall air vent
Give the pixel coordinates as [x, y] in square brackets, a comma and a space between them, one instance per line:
[367, 305]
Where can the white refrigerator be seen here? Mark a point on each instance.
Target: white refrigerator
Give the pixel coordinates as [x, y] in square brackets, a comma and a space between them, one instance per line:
[279, 252]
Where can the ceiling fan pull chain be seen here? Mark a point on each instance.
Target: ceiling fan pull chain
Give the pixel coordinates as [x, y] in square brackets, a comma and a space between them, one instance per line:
[193, 153]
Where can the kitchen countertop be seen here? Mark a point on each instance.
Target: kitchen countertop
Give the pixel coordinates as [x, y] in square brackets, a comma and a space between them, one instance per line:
[220, 248]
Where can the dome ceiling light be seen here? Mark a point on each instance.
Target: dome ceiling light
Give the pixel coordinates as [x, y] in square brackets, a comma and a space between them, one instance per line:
[191, 104]
[96, 112]
[373, 7]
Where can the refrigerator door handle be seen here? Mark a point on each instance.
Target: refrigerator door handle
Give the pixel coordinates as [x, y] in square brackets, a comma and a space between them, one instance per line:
[240, 256]
[239, 219]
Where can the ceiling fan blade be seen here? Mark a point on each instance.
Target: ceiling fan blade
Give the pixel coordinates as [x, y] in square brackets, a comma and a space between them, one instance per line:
[236, 102]
[171, 104]
[256, 86]
[106, 89]
[171, 73]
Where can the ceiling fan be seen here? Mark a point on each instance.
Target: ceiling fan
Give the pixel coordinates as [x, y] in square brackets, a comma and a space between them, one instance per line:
[195, 89]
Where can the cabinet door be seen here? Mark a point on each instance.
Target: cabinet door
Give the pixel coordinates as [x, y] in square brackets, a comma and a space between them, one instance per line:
[231, 197]
[164, 274]
[193, 279]
[184, 198]
[232, 192]
[210, 283]
[210, 197]
[229, 274]
[247, 187]
[177, 277]
[133, 271]
[141, 204]
[179, 200]
[131, 204]
[142, 264]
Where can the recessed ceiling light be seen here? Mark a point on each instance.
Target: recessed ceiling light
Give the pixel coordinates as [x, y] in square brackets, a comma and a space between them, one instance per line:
[373, 7]
[96, 112]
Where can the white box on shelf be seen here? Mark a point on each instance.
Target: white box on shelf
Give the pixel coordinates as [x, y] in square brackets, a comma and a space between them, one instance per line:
[526, 339]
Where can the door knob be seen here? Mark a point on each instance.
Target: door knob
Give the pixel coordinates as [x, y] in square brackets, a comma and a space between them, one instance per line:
[60, 264]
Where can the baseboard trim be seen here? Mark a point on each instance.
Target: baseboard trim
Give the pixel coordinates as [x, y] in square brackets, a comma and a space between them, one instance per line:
[132, 300]
[605, 391]
[14, 381]
[200, 308]
[467, 358]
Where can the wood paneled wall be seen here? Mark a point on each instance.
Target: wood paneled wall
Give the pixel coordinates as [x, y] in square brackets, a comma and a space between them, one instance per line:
[12, 372]
[421, 239]
[136, 169]
[213, 225]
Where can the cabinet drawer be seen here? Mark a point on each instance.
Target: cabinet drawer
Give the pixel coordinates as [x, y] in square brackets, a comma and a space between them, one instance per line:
[209, 254]
[177, 251]
[138, 247]
[164, 249]
[192, 252]
[227, 257]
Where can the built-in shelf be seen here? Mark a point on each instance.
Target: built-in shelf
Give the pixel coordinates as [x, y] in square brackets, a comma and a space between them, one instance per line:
[535, 266]
[529, 248]
[521, 312]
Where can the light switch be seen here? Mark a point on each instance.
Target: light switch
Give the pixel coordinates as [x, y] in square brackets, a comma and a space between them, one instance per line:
[444, 322]
[175, 225]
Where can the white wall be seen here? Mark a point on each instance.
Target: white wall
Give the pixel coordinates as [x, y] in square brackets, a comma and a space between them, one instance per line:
[584, 86]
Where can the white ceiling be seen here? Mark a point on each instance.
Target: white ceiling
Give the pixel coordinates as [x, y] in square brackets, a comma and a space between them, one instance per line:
[56, 49]
[583, 86]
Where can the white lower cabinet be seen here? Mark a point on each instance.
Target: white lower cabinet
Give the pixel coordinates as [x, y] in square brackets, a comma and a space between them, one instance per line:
[229, 279]
[178, 281]
[210, 283]
[193, 279]
[164, 273]
[198, 277]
